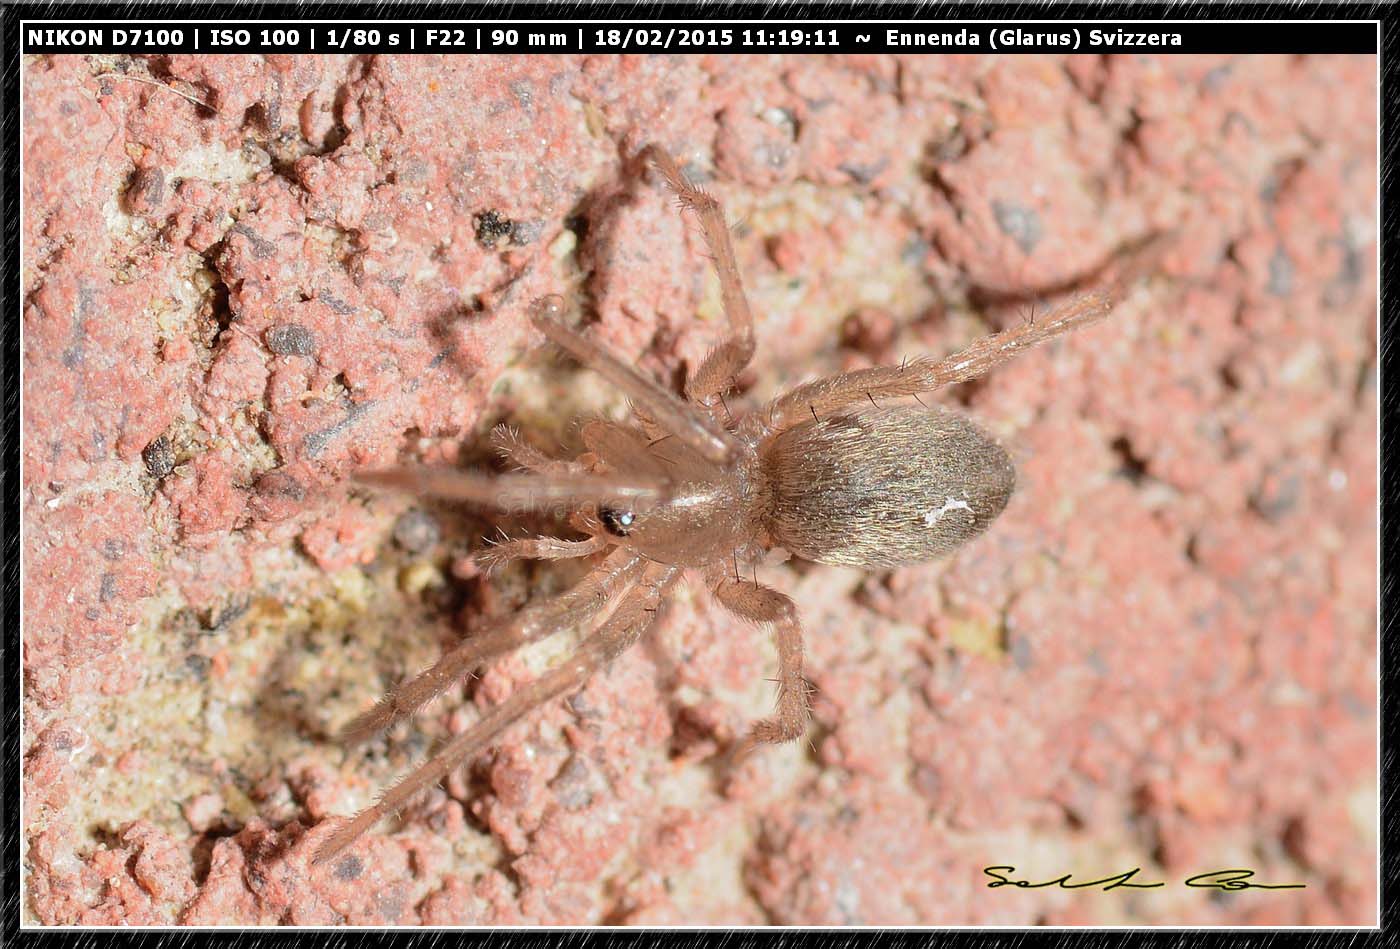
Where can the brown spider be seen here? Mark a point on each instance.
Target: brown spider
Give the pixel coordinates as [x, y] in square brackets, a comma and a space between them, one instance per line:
[817, 472]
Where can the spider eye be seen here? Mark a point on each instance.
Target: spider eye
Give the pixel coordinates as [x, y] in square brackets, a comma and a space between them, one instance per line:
[617, 522]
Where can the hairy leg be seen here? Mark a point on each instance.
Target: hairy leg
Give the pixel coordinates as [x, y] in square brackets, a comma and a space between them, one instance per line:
[538, 548]
[633, 617]
[525, 456]
[659, 405]
[768, 607]
[518, 491]
[728, 359]
[536, 621]
[827, 395]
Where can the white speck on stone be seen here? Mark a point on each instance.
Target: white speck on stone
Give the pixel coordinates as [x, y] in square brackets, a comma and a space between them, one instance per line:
[949, 504]
[563, 245]
[775, 116]
[80, 746]
[1336, 479]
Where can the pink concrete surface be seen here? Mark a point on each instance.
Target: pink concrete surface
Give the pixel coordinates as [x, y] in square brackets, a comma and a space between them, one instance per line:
[1162, 655]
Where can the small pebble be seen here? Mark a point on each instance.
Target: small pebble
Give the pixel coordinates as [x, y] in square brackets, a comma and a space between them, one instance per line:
[416, 531]
[491, 229]
[201, 812]
[416, 578]
[159, 457]
[291, 339]
[147, 190]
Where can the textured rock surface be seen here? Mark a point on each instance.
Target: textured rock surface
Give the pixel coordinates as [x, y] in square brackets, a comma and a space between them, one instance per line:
[1163, 655]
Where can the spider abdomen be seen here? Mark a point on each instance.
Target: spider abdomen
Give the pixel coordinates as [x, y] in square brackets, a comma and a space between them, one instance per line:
[883, 487]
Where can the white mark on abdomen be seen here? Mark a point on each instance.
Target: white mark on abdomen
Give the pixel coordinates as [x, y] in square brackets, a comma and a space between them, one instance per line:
[949, 504]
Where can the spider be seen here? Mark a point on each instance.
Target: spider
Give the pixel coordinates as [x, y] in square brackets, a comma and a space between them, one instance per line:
[824, 472]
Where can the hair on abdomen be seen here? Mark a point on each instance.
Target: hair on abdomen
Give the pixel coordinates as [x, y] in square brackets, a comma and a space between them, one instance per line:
[883, 487]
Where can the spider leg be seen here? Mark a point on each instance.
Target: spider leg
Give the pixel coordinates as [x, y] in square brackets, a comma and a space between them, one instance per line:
[662, 407]
[636, 615]
[538, 548]
[716, 373]
[827, 395]
[633, 616]
[520, 453]
[536, 621]
[768, 607]
[518, 491]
